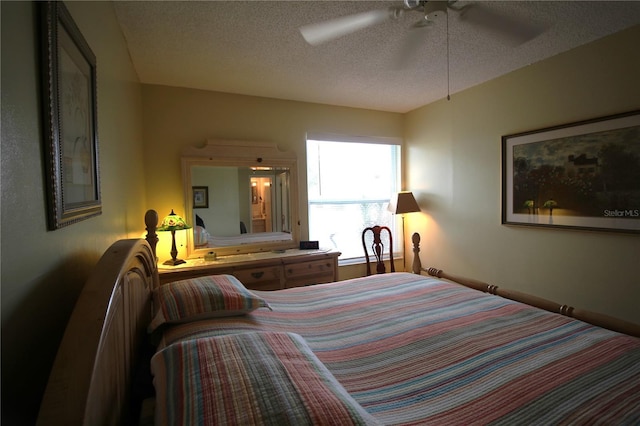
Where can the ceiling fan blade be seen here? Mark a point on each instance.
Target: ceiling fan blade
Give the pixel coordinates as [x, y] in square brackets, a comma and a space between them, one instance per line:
[413, 41]
[322, 32]
[514, 30]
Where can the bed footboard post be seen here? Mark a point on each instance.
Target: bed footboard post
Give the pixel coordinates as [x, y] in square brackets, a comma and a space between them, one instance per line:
[416, 266]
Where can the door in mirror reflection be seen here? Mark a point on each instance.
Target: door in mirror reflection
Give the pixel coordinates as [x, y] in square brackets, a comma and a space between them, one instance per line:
[261, 205]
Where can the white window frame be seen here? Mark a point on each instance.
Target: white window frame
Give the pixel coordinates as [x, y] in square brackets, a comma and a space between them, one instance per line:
[353, 255]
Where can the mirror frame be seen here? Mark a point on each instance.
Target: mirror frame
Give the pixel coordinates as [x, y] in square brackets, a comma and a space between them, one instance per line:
[239, 153]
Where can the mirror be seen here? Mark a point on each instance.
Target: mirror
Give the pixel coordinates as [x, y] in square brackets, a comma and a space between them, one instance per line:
[246, 200]
[240, 197]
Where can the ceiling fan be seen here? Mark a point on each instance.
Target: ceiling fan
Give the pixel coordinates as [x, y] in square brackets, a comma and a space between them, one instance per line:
[513, 30]
[475, 13]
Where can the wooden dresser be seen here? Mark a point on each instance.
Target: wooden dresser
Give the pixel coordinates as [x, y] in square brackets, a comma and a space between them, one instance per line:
[263, 271]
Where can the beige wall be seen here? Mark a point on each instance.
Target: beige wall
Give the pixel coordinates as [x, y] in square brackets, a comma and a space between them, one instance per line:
[176, 118]
[43, 271]
[454, 168]
[453, 158]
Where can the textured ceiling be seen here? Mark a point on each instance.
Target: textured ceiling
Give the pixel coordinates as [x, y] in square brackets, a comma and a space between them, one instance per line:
[255, 48]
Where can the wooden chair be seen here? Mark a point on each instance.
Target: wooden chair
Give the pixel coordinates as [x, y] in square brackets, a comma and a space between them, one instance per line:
[377, 248]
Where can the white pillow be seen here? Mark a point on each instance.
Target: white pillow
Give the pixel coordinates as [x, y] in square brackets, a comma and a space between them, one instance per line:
[200, 236]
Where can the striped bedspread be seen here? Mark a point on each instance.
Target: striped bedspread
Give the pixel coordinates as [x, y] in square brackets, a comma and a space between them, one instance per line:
[416, 350]
[255, 378]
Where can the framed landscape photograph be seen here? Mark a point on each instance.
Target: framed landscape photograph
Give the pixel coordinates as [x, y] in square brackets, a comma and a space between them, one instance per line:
[200, 197]
[70, 119]
[584, 175]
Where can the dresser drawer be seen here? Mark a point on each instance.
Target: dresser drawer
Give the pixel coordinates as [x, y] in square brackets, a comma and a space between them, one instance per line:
[265, 278]
[317, 269]
[269, 271]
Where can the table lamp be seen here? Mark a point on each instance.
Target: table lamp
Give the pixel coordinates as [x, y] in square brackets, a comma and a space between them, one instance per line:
[172, 222]
[404, 202]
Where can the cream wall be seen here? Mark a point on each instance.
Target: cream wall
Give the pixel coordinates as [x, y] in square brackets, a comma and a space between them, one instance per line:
[452, 158]
[43, 271]
[454, 167]
[176, 118]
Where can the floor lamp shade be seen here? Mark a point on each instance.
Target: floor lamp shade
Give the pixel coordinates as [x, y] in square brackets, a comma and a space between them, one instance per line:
[404, 202]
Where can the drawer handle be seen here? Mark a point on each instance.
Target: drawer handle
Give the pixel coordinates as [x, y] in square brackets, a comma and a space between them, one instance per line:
[257, 275]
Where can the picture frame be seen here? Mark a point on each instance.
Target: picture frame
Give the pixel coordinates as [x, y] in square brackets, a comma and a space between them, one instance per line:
[584, 175]
[69, 87]
[200, 197]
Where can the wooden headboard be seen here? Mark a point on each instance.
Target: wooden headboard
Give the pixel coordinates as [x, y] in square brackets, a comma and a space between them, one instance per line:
[91, 379]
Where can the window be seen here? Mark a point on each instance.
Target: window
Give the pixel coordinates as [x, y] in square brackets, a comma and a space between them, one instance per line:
[350, 183]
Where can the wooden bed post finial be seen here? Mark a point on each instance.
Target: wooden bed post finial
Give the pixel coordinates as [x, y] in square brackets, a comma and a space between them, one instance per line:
[151, 220]
[416, 267]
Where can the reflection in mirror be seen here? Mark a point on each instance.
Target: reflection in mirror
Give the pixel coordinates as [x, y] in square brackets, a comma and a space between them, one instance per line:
[243, 201]
[251, 198]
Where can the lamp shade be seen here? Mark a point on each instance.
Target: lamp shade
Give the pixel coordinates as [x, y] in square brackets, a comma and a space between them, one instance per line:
[173, 222]
[404, 202]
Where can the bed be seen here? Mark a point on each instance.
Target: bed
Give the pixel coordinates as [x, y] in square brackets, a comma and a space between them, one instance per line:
[400, 348]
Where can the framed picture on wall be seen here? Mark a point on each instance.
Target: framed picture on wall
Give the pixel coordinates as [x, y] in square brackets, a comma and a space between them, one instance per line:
[200, 197]
[583, 175]
[70, 119]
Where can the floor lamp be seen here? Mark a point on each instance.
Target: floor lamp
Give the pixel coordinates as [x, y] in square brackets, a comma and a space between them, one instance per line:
[404, 202]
